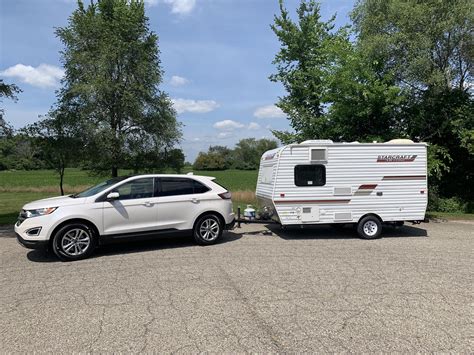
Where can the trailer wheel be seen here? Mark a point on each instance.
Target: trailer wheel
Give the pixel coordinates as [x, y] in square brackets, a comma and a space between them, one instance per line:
[369, 227]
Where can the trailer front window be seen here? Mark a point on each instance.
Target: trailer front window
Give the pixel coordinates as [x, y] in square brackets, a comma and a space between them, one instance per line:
[310, 175]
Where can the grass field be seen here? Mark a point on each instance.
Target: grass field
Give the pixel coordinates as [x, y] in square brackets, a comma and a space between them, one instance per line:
[20, 187]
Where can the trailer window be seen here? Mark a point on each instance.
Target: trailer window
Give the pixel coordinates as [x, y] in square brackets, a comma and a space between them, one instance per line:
[266, 174]
[310, 175]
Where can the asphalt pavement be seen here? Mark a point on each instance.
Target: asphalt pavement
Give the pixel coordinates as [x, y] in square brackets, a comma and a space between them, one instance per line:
[318, 290]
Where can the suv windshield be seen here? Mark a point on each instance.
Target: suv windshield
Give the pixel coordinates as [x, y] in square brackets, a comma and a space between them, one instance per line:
[98, 188]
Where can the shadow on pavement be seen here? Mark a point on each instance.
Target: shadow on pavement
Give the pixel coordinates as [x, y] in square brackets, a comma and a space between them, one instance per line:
[329, 232]
[130, 246]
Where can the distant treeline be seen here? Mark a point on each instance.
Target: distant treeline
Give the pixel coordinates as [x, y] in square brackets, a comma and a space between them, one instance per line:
[245, 156]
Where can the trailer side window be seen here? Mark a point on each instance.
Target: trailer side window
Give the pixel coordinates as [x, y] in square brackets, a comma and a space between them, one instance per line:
[266, 174]
[310, 175]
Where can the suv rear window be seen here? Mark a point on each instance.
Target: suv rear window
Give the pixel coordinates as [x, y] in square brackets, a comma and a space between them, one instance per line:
[179, 186]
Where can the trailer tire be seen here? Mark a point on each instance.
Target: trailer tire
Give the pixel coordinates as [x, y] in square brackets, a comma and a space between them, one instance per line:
[369, 227]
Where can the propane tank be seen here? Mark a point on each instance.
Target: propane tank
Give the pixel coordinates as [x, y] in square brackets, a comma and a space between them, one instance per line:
[249, 213]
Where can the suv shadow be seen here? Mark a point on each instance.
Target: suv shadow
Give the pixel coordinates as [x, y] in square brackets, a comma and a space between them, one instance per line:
[130, 246]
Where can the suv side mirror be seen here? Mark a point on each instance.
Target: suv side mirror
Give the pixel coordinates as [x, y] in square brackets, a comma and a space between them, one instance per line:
[113, 196]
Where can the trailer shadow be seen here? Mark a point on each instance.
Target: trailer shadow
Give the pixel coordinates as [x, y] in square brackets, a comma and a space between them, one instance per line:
[329, 232]
[128, 247]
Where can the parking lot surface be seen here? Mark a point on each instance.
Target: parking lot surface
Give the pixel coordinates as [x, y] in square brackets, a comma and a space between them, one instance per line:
[294, 291]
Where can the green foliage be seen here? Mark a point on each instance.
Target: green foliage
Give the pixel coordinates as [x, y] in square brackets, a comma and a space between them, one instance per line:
[245, 156]
[57, 137]
[112, 73]
[426, 44]
[301, 67]
[17, 152]
[438, 162]
[174, 159]
[450, 205]
[248, 152]
[8, 91]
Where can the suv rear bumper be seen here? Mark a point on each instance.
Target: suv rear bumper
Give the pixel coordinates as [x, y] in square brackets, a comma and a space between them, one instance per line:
[230, 225]
[32, 244]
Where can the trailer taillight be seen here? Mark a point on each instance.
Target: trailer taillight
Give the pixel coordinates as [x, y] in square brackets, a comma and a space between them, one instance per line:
[225, 195]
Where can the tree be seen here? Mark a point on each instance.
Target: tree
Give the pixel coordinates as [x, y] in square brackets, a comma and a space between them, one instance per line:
[428, 47]
[112, 73]
[175, 160]
[8, 91]
[57, 137]
[301, 66]
[217, 158]
[249, 151]
[427, 44]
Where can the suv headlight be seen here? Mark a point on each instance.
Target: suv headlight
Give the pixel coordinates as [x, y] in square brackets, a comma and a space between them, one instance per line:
[39, 212]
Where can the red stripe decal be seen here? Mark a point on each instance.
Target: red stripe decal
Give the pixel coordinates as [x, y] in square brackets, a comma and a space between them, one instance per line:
[367, 187]
[312, 201]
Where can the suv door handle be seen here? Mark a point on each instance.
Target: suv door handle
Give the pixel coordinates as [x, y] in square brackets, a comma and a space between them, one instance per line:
[148, 204]
[194, 200]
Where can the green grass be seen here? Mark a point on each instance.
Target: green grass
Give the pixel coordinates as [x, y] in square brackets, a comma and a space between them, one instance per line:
[12, 202]
[234, 180]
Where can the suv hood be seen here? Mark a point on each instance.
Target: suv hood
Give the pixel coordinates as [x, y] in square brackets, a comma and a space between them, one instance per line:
[54, 202]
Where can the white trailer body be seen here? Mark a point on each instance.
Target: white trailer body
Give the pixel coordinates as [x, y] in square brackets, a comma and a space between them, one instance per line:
[321, 182]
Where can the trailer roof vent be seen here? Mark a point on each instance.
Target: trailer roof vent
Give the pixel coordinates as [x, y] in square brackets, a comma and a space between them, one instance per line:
[318, 141]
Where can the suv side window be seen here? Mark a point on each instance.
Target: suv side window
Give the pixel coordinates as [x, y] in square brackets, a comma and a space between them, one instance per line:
[200, 188]
[139, 188]
[179, 186]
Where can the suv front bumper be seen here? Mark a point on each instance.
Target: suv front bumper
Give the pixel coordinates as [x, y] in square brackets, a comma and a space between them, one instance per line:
[32, 244]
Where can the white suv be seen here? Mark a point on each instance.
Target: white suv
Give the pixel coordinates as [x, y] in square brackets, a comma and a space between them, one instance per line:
[126, 207]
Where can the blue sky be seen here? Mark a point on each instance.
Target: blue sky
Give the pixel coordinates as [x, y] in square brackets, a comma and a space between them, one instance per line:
[216, 55]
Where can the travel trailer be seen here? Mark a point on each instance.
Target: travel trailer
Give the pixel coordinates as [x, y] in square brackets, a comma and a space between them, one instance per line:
[365, 184]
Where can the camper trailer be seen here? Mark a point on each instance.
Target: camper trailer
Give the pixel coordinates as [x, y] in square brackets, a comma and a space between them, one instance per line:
[364, 184]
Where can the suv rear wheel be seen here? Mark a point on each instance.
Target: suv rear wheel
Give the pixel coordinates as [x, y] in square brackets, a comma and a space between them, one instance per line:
[74, 241]
[207, 229]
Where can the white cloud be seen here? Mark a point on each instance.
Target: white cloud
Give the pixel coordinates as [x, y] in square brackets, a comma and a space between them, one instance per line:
[177, 80]
[223, 135]
[253, 126]
[269, 111]
[180, 7]
[228, 125]
[194, 106]
[43, 76]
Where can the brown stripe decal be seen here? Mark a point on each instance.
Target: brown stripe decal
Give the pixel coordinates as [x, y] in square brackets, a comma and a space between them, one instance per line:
[367, 187]
[405, 177]
[312, 201]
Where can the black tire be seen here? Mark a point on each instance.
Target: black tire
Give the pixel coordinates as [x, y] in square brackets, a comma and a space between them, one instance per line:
[207, 229]
[369, 227]
[74, 241]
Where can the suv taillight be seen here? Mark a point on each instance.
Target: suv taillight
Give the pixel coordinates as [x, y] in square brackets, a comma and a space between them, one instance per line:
[225, 195]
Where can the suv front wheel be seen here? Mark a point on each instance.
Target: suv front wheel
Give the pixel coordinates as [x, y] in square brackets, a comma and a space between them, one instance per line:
[207, 229]
[74, 241]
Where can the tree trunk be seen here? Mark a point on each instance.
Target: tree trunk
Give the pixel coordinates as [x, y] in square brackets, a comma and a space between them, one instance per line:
[61, 178]
[114, 171]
